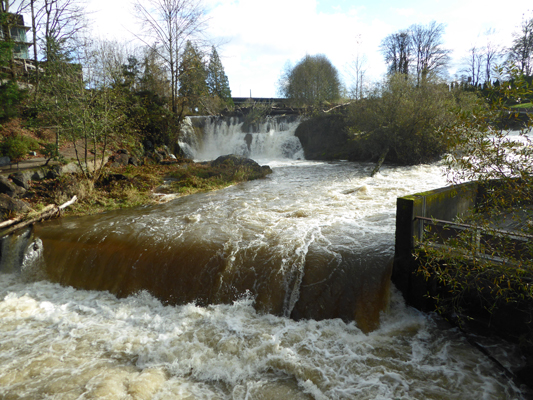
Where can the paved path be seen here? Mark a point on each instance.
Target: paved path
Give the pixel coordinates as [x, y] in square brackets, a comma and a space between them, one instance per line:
[35, 162]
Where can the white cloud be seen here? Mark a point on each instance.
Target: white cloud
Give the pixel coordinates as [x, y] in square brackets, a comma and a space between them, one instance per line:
[261, 36]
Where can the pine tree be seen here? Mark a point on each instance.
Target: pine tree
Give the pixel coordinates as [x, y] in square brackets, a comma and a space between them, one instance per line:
[193, 77]
[217, 81]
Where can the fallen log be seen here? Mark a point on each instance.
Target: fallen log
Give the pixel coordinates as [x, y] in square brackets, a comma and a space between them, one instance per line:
[10, 222]
[338, 106]
[380, 162]
[49, 212]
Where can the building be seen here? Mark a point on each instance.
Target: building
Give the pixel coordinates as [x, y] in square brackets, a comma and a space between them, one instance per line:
[22, 62]
[18, 34]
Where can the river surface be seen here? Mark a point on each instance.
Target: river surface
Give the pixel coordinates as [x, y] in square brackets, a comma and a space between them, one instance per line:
[59, 342]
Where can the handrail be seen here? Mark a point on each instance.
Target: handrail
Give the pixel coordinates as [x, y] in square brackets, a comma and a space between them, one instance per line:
[435, 221]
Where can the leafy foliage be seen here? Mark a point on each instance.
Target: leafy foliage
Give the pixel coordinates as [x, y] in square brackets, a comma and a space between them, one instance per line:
[408, 120]
[313, 81]
[85, 117]
[487, 269]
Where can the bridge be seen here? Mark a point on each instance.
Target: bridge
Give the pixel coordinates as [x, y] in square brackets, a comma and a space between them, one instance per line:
[239, 101]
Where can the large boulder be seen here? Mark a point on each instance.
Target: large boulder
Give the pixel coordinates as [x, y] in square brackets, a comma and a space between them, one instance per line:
[54, 172]
[9, 188]
[232, 160]
[8, 205]
[38, 174]
[22, 179]
[327, 137]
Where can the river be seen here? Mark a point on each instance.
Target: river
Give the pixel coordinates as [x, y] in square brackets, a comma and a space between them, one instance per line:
[312, 242]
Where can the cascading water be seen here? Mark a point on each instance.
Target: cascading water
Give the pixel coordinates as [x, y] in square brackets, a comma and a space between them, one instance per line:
[312, 240]
[205, 138]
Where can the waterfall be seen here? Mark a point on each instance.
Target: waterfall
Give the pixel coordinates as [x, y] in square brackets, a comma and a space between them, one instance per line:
[206, 138]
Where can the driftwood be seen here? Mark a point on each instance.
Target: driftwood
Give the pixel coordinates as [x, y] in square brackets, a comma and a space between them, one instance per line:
[47, 213]
[338, 106]
[380, 162]
[10, 222]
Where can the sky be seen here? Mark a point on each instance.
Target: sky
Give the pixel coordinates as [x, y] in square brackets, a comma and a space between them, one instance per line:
[258, 38]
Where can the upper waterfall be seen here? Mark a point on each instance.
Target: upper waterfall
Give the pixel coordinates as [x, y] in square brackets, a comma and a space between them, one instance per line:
[206, 138]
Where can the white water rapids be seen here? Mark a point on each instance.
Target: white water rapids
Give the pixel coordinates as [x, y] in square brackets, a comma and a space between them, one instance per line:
[62, 343]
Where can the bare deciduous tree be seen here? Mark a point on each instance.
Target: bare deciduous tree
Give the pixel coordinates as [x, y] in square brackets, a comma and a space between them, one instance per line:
[396, 49]
[58, 23]
[357, 71]
[521, 52]
[428, 53]
[169, 25]
[473, 64]
[482, 59]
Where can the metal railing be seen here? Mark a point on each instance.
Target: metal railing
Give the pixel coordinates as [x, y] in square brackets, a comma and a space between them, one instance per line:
[497, 245]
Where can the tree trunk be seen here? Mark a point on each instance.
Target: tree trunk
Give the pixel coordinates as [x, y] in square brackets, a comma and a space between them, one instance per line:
[34, 29]
[49, 212]
[380, 162]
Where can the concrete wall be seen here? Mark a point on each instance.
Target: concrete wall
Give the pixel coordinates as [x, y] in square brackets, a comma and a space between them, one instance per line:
[445, 204]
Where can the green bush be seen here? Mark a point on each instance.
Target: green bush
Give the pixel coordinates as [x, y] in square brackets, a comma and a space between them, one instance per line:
[410, 119]
[17, 147]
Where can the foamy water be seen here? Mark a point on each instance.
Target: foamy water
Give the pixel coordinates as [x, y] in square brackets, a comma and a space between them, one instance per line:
[61, 343]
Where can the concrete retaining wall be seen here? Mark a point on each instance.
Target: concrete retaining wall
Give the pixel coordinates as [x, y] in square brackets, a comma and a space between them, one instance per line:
[444, 204]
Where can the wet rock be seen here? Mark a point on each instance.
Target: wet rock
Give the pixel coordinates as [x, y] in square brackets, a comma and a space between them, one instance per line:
[327, 137]
[163, 153]
[8, 204]
[148, 145]
[248, 139]
[235, 160]
[22, 179]
[266, 170]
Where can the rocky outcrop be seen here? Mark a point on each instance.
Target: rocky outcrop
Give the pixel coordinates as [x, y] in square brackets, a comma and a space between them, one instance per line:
[22, 179]
[11, 205]
[122, 157]
[326, 137]
[17, 185]
[9, 188]
[235, 160]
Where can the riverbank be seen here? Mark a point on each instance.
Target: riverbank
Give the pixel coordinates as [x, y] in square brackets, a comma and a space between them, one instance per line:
[128, 186]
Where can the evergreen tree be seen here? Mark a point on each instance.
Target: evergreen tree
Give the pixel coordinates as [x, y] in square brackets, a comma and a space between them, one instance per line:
[193, 79]
[217, 81]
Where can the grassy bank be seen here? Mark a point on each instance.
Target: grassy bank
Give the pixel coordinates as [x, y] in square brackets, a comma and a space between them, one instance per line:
[130, 186]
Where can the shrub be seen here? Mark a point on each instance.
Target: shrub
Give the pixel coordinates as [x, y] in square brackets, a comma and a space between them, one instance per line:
[16, 148]
[408, 119]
